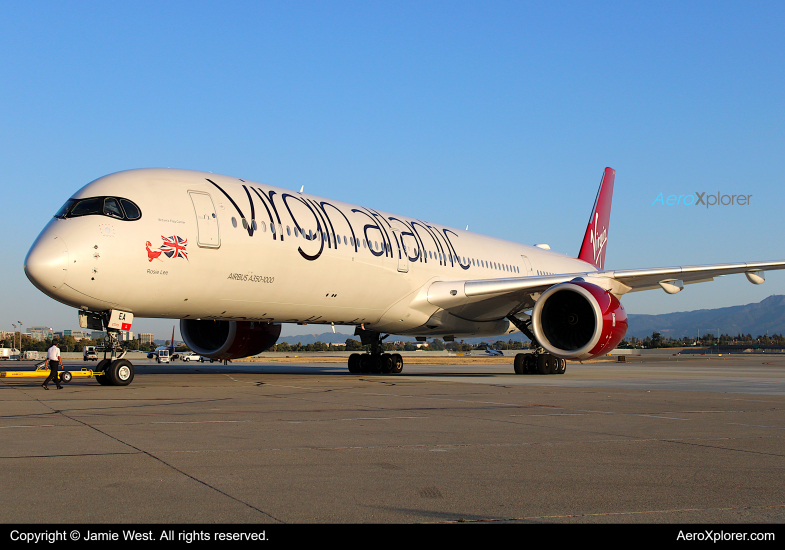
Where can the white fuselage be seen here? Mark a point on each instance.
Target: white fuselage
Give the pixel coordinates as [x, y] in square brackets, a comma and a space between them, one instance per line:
[229, 249]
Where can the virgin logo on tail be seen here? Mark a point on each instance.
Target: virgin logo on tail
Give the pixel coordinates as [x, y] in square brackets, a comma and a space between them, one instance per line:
[596, 236]
[598, 241]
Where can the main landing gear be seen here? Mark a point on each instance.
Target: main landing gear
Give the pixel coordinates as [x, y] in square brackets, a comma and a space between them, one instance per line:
[539, 363]
[376, 361]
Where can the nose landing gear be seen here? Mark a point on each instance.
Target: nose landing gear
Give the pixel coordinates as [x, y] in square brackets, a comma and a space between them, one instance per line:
[113, 370]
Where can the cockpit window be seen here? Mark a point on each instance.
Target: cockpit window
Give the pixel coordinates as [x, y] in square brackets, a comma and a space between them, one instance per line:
[87, 207]
[100, 206]
[131, 210]
[65, 208]
[112, 208]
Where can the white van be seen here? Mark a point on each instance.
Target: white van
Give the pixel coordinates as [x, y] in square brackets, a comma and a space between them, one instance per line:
[89, 353]
[163, 356]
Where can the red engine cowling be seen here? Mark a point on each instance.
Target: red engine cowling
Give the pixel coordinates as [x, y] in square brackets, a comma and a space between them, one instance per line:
[578, 320]
[228, 339]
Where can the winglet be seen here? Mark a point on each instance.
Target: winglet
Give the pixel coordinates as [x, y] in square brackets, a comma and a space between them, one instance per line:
[593, 247]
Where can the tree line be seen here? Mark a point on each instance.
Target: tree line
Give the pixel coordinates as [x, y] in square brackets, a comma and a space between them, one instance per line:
[69, 343]
[656, 340]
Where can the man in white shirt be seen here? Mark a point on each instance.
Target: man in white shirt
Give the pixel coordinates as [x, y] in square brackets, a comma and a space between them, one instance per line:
[53, 360]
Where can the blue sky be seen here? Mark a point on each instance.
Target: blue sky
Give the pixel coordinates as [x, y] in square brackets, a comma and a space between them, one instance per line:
[499, 115]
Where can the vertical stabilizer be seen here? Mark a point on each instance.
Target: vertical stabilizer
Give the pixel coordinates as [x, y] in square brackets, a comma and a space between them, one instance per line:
[596, 237]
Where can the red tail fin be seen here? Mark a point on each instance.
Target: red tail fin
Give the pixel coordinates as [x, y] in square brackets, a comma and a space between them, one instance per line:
[593, 247]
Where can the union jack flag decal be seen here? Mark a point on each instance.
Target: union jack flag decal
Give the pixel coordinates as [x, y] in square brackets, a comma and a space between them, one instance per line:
[174, 247]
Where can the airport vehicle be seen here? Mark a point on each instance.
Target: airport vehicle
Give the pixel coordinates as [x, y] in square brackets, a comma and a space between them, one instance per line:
[191, 356]
[232, 259]
[490, 351]
[89, 354]
[42, 371]
[163, 356]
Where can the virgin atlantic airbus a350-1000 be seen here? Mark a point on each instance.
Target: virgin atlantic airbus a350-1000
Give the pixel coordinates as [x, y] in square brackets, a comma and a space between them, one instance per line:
[232, 259]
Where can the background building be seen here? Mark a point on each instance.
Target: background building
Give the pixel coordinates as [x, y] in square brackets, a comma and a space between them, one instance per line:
[41, 333]
[146, 338]
[76, 334]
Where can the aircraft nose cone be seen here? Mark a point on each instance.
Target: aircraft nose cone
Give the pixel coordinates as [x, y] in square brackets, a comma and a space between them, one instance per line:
[46, 265]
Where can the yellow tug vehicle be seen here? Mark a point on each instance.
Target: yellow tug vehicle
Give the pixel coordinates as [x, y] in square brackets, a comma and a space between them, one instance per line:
[41, 370]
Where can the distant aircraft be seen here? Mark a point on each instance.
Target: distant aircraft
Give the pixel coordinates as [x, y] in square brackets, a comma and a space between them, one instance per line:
[169, 348]
[232, 259]
[490, 351]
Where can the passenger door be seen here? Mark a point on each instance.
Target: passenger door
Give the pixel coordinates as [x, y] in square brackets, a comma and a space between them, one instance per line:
[206, 220]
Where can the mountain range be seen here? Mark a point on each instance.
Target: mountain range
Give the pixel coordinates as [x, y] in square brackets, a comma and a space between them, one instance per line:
[756, 319]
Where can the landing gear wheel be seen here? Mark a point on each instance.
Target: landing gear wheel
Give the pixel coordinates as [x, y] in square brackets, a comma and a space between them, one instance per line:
[387, 363]
[397, 363]
[354, 363]
[365, 363]
[65, 377]
[545, 363]
[120, 372]
[518, 364]
[100, 368]
[376, 363]
[530, 364]
[561, 366]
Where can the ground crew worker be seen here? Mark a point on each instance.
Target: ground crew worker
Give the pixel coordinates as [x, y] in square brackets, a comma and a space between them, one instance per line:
[53, 360]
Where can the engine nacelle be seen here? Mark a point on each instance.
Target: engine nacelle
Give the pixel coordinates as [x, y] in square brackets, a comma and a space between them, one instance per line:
[228, 339]
[578, 320]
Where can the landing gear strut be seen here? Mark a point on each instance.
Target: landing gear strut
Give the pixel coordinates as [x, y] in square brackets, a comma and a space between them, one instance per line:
[376, 361]
[537, 362]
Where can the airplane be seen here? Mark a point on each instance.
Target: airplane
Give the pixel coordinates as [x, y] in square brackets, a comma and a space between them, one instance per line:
[170, 349]
[233, 259]
[490, 351]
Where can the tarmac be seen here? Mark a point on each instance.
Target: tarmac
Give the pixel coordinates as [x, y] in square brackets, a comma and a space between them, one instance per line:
[653, 440]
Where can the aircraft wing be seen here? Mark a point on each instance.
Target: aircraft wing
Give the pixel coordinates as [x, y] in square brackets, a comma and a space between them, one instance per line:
[489, 298]
[646, 279]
